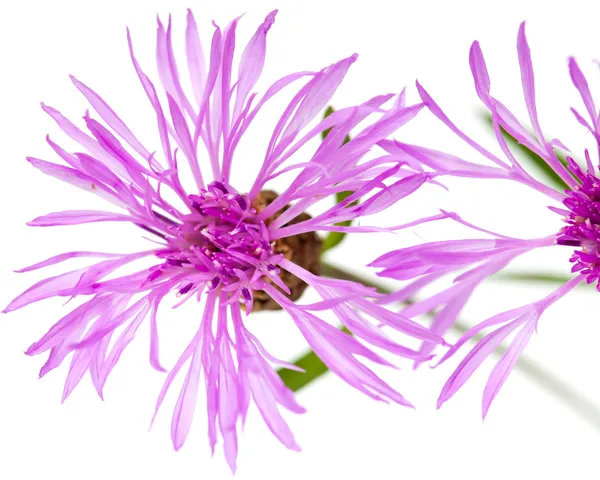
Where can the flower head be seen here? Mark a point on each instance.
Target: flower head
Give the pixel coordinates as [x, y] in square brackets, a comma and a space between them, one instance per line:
[583, 222]
[235, 251]
[470, 262]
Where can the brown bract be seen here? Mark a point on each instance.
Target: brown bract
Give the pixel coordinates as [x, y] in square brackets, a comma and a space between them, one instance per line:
[303, 249]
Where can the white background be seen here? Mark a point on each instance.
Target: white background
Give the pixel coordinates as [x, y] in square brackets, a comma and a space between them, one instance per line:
[528, 433]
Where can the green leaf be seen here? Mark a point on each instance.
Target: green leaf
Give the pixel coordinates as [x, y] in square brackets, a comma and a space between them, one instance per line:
[333, 239]
[313, 368]
[551, 178]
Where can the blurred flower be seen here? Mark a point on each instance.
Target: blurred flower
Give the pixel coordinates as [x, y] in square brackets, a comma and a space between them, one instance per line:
[234, 252]
[472, 261]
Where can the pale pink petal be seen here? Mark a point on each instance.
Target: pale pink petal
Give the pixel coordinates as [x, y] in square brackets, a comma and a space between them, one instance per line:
[195, 57]
[584, 90]
[77, 217]
[110, 117]
[527, 78]
[505, 365]
[474, 358]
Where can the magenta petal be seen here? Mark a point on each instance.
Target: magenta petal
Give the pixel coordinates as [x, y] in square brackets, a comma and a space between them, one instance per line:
[82, 315]
[84, 359]
[207, 316]
[252, 62]
[337, 350]
[65, 256]
[47, 288]
[584, 90]
[184, 409]
[446, 163]
[472, 361]
[110, 117]
[528, 81]
[320, 92]
[195, 57]
[77, 217]
[437, 111]
[505, 365]
[122, 341]
[77, 179]
[267, 407]
[76, 134]
[167, 67]
[154, 358]
[215, 245]
[480, 73]
[185, 140]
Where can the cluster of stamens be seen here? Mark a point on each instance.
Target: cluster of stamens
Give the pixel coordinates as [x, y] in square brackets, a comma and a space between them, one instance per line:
[222, 245]
[583, 224]
[220, 239]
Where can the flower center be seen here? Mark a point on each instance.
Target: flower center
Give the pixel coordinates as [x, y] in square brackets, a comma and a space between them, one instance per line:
[222, 244]
[583, 224]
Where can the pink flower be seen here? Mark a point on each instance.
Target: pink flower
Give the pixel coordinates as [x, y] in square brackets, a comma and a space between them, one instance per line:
[235, 252]
[472, 261]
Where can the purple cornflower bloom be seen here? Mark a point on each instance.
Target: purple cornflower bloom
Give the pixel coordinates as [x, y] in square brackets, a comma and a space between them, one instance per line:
[470, 262]
[234, 252]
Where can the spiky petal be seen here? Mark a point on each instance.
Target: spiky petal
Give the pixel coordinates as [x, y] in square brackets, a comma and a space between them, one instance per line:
[214, 244]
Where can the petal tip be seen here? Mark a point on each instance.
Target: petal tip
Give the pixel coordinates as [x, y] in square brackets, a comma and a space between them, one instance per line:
[295, 447]
[177, 444]
[270, 20]
[10, 307]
